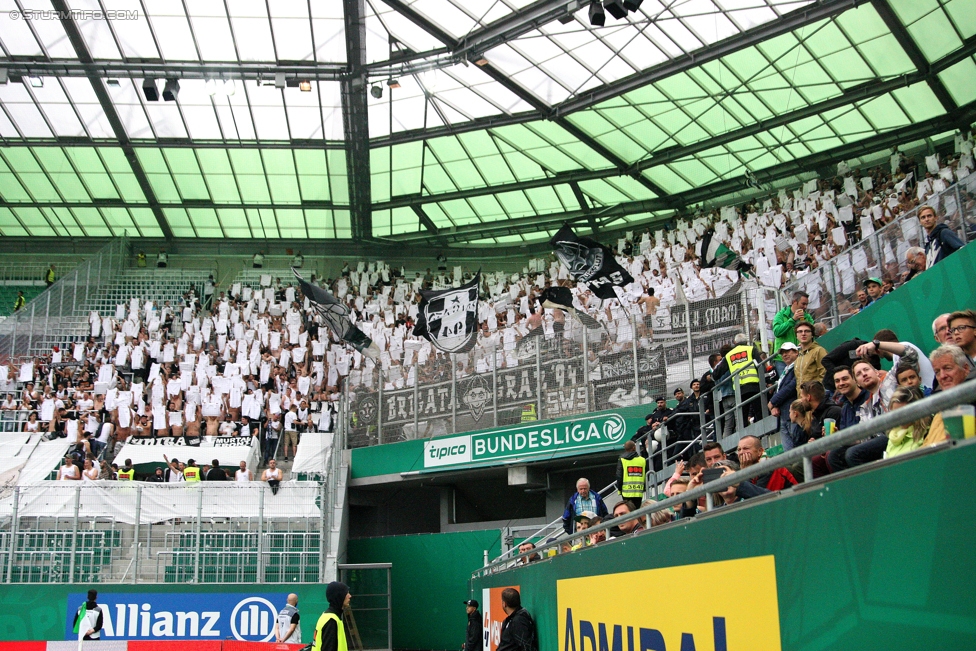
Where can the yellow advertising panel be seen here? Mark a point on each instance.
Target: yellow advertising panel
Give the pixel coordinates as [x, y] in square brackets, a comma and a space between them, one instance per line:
[722, 606]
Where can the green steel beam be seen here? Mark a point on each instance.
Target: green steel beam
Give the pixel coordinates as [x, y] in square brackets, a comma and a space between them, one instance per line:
[108, 107]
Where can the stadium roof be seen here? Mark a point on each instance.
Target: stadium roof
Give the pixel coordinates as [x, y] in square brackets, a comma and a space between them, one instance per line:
[498, 119]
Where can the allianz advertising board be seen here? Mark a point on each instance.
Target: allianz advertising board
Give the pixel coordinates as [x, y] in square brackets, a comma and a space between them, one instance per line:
[183, 615]
[525, 441]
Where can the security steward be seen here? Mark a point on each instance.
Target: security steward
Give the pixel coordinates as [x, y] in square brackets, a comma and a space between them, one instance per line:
[191, 472]
[330, 632]
[472, 638]
[20, 302]
[631, 474]
[127, 472]
[742, 358]
[49, 276]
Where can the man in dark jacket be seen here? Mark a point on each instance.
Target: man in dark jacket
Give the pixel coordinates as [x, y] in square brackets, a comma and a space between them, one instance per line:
[472, 638]
[785, 390]
[89, 618]
[582, 500]
[330, 627]
[518, 629]
[849, 397]
[685, 428]
[940, 240]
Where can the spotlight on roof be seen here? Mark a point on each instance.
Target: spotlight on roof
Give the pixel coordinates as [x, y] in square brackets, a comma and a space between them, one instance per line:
[597, 17]
[36, 82]
[211, 86]
[305, 86]
[632, 5]
[393, 83]
[376, 91]
[171, 90]
[615, 8]
[565, 20]
[230, 87]
[150, 90]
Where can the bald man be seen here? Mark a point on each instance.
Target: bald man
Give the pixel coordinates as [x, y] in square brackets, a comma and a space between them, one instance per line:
[287, 629]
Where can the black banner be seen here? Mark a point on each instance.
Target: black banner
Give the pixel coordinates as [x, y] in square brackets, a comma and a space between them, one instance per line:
[712, 313]
[449, 318]
[616, 384]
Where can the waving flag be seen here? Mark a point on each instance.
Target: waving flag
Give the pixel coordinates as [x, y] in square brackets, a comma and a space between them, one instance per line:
[336, 317]
[590, 262]
[448, 318]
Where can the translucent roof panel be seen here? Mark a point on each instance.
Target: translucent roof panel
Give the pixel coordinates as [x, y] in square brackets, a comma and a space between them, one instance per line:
[492, 138]
[559, 61]
[787, 73]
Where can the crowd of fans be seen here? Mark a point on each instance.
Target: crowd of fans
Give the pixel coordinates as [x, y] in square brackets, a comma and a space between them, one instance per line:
[256, 361]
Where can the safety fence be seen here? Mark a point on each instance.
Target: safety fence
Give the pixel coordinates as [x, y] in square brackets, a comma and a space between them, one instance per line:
[169, 533]
[57, 316]
[834, 285]
[630, 360]
[801, 456]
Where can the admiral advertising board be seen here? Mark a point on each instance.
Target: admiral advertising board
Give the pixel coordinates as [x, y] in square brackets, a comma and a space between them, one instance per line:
[600, 612]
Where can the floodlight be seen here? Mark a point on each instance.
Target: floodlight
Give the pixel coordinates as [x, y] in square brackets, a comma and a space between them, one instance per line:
[393, 83]
[150, 90]
[376, 91]
[211, 87]
[597, 17]
[36, 82]
[171, 90]
[615, 8]
[229, 87]
[305, 86]
[632, 5]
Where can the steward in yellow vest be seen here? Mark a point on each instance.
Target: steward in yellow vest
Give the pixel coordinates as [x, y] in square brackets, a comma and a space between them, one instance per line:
[631, 473]
[127, 472]
[330, 633]
[20, 302]
[529, 413]
[742, 357]
[191, 472]
[49, 276]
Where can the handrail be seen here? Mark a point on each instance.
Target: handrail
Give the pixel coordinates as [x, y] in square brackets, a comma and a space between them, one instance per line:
[601, 492]
[965, 393]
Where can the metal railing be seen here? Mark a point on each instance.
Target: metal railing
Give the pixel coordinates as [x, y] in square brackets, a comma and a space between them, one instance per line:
[833, 286]
[965, 393]
[56, 316]
[565, 372]
[108, 530]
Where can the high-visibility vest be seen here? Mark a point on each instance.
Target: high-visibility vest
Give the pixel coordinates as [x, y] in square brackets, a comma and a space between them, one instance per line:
[50, 276]
[741, 357]
[634, 472]
[19, 303]
[528, 413]
[340, 633]
[191, 473]
[127, 475]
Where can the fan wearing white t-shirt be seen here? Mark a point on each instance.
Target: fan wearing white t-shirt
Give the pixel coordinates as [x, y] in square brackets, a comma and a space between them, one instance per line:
[243, 475]
[69, 471]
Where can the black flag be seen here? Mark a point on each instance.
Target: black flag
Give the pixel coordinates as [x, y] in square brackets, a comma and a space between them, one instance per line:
[449, 318]
[590, 262]
[336, 316]
[560, 298]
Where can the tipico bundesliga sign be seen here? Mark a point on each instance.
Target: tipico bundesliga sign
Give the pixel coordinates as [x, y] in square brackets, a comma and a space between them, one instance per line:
[525, 441]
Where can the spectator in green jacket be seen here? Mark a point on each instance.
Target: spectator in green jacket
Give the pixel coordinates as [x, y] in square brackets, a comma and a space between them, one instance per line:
[784, 325]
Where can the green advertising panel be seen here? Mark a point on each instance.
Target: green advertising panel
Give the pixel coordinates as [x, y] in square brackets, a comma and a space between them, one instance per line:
[528, 442]
[882, 558]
